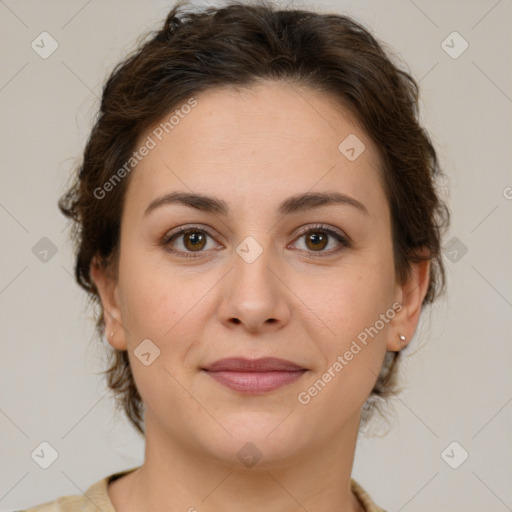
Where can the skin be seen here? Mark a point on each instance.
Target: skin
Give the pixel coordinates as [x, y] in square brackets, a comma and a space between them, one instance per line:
[253, 149]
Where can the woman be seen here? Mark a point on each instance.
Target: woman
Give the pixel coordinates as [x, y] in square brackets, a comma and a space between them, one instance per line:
[257, 216]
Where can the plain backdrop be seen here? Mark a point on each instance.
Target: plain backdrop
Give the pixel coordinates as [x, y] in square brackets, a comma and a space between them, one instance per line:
[457, 376]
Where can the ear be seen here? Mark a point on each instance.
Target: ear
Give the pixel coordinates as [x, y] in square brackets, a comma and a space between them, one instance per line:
[410, 295]
[106, 284]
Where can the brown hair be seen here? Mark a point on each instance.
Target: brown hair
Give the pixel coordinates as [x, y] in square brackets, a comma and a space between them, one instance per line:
[240, 44]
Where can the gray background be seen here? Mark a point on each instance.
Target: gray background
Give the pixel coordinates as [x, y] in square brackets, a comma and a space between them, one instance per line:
[458, 374]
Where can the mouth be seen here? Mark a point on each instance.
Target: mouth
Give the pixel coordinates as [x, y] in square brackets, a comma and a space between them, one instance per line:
[254, 376]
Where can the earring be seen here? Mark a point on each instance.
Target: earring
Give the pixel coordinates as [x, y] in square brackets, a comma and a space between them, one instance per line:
[112, 335]
[401, 339]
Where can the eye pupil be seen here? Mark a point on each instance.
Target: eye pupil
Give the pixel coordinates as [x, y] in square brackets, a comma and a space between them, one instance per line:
[195, 238]
[315, 238]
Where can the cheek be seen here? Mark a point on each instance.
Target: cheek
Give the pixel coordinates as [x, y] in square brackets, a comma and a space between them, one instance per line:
[355, 296]
[168, 307]
[157, 308]
[352, 305]
[154, 296]
[351, 357]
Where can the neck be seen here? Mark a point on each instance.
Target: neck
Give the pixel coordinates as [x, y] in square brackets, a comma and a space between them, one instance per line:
[175, 477]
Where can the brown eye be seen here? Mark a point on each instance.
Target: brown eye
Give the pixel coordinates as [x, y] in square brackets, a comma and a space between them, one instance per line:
[188, 242]
[317, 240]
[194, 240]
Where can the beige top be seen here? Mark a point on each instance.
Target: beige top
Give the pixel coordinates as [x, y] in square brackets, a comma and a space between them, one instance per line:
[96, 498]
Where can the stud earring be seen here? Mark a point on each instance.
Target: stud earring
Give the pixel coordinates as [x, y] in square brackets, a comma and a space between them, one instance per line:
[112, 335]
[401, 339]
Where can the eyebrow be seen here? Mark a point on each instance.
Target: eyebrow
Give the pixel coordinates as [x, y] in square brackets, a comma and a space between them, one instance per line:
[293, 204]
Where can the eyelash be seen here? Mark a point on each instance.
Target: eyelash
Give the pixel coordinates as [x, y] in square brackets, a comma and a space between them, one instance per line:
[345, 244]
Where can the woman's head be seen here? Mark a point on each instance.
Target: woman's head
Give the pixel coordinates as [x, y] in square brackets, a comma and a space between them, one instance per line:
[255, 107]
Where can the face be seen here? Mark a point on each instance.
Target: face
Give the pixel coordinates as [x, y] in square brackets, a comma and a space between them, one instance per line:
[259, 273]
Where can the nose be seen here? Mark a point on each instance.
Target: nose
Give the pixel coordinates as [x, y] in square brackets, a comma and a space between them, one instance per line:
[254, 295]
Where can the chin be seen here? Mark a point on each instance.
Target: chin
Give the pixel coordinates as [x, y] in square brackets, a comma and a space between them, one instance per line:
[258, 439]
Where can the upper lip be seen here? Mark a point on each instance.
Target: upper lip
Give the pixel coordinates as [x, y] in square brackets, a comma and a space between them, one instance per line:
[264, 364]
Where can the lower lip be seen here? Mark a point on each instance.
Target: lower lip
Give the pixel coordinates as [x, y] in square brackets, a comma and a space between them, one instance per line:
[255, 382]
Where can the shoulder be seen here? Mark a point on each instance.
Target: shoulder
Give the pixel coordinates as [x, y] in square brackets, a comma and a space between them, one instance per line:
[365, 499]
[63, 504]
[95, 498]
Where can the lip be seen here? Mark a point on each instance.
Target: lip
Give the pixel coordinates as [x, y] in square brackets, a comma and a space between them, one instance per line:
[254, 376]
[263, 364]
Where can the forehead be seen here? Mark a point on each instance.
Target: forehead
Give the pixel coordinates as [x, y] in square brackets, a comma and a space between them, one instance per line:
[272, 139]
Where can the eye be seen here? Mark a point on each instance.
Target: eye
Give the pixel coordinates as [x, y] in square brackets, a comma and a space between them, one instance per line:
[317, 238]
[192, 239]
